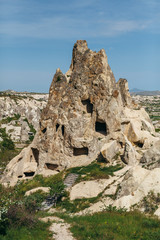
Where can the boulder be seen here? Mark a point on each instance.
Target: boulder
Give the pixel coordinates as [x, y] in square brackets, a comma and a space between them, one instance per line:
[137, 184]
[43, 189]
[151, 158]
[110, 150]
[88, 189]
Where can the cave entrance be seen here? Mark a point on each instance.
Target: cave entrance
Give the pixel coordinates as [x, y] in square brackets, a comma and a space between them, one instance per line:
[51, 166]
[101, 127]
[29, 174]
[57, 126]
[139, 144]
[62, 130]
[80, 151]
[35, 152]
[89, 105]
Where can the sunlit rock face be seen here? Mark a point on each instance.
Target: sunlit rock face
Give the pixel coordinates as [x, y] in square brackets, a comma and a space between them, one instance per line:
[86, 111]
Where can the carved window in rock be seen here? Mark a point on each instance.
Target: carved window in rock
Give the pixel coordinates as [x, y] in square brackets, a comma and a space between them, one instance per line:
[80, 151]
[101, 127]
[35, 152]
[62, 130]
[51, 166]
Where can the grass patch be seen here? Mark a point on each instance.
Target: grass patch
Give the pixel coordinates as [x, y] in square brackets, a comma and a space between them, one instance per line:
[112, 225]
[54, 182]
[94, 171]
[76, 205]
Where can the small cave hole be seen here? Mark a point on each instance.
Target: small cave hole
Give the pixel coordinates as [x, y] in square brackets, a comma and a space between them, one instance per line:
[20, 176]
[57, 126]
[51, 166]
[139, 144]
[101, 127]
[44, 130]
[80, 151]
[29, 174]
[89, 105]
[35, 152]
[62, 130]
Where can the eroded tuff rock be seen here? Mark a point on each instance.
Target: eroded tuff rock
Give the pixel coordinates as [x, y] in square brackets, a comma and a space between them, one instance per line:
[86, 110]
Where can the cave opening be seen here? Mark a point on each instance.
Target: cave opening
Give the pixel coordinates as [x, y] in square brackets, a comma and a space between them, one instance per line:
[89, 105]
[20, 176]
[44, 130]
[139, 144]
[101, 127]
[35, 152]
[62, 130]
[80, 151]
[51, 166]
[29, 174]
[57, 126]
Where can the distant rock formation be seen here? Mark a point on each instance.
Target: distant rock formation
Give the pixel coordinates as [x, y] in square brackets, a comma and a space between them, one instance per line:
[88, 115]
[18, 110]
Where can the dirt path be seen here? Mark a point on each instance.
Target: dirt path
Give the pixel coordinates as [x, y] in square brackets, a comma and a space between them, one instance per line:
[59, 228]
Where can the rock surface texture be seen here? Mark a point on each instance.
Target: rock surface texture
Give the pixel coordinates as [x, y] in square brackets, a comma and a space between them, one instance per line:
[88, 114]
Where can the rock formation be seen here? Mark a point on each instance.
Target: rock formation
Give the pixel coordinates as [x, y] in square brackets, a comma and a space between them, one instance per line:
[27, 106]
[87, 115]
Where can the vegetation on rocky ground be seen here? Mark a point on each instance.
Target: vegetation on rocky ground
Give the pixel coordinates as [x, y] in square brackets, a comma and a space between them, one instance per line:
[9, 119]
[114, 224]
[93, 171]
[20, 215]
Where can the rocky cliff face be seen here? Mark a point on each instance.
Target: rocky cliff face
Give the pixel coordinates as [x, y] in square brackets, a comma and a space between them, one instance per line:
[88, 116]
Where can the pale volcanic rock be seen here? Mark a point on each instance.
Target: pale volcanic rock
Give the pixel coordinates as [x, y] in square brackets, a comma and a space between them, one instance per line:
[109, 150]
[151, 158]
[43, 189]
[89, 189]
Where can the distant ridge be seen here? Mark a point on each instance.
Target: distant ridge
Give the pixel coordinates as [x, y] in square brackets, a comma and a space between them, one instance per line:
[144, 93]
[136, 90]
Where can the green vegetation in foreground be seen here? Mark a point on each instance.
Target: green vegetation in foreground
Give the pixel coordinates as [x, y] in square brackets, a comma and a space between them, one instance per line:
[95, 170]
[39, 231]
[19, 213]
[114, 225]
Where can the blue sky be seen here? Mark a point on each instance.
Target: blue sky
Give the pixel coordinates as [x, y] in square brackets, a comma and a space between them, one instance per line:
[37, 37]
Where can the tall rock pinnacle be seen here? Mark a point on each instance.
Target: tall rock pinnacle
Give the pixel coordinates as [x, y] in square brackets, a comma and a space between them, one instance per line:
[86, 110]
